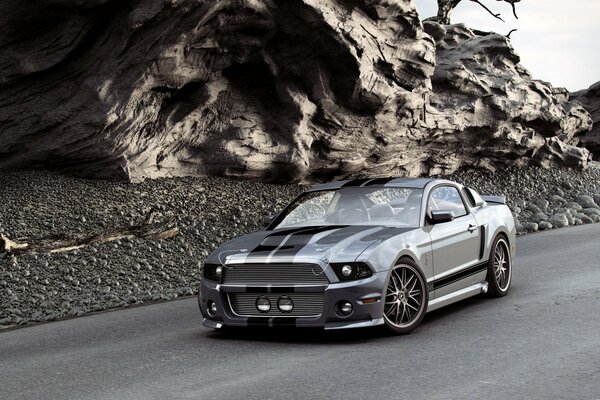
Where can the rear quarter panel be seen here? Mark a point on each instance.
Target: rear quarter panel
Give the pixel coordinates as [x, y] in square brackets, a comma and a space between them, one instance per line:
[497, 219]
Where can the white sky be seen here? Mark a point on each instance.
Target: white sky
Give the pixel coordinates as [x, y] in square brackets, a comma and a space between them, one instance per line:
[558, 40]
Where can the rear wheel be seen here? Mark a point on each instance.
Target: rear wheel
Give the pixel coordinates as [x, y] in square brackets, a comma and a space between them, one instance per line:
[406, 298]
[499, 273]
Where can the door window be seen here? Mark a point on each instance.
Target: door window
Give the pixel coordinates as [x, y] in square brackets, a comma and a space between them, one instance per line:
[447, 198]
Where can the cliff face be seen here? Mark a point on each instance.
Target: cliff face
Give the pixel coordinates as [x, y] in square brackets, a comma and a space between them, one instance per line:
[289, 90]
[487, 109]
[590, 98]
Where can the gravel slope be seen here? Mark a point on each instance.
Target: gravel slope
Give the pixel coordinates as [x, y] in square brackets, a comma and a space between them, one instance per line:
[41, 287]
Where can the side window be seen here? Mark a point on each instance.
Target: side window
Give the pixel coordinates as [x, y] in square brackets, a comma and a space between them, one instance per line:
[447, 198]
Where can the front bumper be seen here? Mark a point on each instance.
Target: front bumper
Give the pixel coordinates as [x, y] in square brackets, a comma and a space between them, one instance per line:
[363, 314]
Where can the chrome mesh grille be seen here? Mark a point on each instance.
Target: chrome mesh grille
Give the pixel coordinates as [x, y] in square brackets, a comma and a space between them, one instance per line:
[268, 274]
[305, 304]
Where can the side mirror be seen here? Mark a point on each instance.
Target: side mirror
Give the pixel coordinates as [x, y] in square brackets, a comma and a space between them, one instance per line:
[441, 216]
[267, 219]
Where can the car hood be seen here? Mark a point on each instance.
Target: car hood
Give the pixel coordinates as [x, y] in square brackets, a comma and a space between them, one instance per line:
[334, 243]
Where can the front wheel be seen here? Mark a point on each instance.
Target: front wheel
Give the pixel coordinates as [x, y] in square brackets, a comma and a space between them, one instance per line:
[406, 298]
[499, 268]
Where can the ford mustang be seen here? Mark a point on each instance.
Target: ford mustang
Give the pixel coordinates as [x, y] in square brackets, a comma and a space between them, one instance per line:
[362, 253]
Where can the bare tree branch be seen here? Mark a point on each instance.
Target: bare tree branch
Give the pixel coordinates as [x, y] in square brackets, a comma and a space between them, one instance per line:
[512, 4]
[59, 243]
[511, 31]
[488, 10]
[445, 8]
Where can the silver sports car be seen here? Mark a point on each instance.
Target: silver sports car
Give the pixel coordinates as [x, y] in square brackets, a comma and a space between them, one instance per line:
[362, 253]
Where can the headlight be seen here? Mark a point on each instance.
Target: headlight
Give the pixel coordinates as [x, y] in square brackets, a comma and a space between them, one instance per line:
[350, 271]
[347, 270]
[214, 272]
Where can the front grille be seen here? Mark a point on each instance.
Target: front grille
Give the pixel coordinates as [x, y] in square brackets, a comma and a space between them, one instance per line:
[305, 304]
[268, 274]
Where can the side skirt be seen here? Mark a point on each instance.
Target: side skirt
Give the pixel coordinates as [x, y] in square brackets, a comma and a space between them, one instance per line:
[450, 298]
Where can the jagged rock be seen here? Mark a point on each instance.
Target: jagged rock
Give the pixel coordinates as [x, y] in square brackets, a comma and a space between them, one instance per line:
[280, 90]
[590, 98]
[531, 226]
[545, 225]
[586, 201]
[493, 109]
[559, 220]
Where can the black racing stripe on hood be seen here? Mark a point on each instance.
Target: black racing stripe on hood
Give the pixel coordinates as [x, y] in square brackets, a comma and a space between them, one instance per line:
[385, 233]
[342, 234]
[273, 240]
[378, 181]
[356, 182]
[285, 232]
[299, 240]
[261, 248]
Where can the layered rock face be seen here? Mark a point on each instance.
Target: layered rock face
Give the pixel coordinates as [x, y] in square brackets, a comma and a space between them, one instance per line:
[487, 111]
[289, 90]
[590, 98]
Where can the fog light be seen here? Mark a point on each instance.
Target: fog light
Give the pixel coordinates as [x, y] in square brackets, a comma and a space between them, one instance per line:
[211, 308]
[347, 270]
[285, 304]
[219, 271]
[344, 308]
[263, 304]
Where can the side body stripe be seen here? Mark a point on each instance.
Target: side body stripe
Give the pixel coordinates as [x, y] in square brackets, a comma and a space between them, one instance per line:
[457, 276]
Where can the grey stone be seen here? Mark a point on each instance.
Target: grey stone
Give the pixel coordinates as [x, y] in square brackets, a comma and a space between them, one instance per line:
[544, 225]
[567, 185]
[591, 211]
[539, 217]
[575, 206]
[531, 226]
[559, 220]
[533, 208]
[557, 199]
[586, 201]
[541, 203]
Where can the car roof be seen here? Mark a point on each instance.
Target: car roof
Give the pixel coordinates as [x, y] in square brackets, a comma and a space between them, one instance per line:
[413, 183]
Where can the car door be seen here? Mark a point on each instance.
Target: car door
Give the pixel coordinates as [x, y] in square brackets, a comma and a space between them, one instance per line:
[455, 244]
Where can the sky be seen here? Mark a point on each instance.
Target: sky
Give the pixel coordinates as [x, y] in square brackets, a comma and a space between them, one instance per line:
[558, 41]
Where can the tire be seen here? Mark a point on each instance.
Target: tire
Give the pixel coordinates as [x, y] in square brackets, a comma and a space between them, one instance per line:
[499, 273]
[406, 298]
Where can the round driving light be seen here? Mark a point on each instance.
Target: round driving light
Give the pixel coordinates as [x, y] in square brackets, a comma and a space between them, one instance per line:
[346, 308]
[219, 271]
[343, 308]
[347, 270]
[285, 304]
[211, 308]
[263, 304]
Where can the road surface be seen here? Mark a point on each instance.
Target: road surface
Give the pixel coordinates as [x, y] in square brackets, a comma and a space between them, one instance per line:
[542, 341]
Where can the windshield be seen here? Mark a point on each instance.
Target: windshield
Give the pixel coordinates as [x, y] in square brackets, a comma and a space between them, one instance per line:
[355, 206]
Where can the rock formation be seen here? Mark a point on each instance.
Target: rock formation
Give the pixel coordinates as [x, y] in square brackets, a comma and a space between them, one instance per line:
[590, 98]
[287, 90]
[487, 111]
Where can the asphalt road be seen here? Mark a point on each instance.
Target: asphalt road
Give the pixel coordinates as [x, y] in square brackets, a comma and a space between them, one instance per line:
[542, 341]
